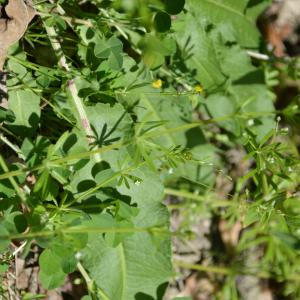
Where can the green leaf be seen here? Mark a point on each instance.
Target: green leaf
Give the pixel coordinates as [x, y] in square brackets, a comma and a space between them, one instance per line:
[251, 216]
[6, 115]
[69, 264]
[46, 188]
[198, 51]
[26, 108]
[51, 274]
[110, 123]
[124, 278]
[86, 298]
[29, 296]
[221, 107]
[255, 100]
[4, 242]
[162, 21]
[174, 7]
[174, 111]
[111, 50]
[20, 223]
[156, 49]
[256, 7]
[229, 12]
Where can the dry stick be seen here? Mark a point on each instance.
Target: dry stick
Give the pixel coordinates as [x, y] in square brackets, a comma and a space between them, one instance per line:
[72, 87]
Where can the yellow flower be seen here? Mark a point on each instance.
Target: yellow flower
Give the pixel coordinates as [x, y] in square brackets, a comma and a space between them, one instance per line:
[199, 89]
[157, 83]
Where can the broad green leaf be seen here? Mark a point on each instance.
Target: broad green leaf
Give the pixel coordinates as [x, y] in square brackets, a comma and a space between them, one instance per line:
[198, 51]
[174, 112]
[86, 298]
[4, 242]
[162, 21]
[230, 12]
[51, 274]
[110, 123]
[106, 221]
[35, 151]
[6, 189]
[124, 279]
[174, 7]
[256, 7]
[255, 100]
[6, 115]
[222, 109]
[156, 49]
[46, 188]
[233, 59]
[26, 108]
[111, 50]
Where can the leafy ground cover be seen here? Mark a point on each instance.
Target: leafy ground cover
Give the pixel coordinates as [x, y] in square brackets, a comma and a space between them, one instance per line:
[122, 115]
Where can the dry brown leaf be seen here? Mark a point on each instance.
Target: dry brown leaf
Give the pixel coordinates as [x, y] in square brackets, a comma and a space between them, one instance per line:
[20, 14]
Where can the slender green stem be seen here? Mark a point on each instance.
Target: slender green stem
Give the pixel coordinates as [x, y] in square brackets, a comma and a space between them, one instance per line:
[12, 146]
[105, 182]
[90, 283]
[12, 180]
[184, 194]
[178, 79]
[199, 198]
[208, 269]
[77, 101]
[103, 149]
[83, 229]
[265, 185]
[226, 271]
[114, 23]
[69, 20]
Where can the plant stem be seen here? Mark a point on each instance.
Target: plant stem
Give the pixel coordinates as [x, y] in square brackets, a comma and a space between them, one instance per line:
[265, 185]
[113, 22]
[15, 148]
[81, 229]
[208, 269]
[89, 282]
[228, 271]
[183, 194]
[192, 196]
[72, 87]
[69, 20]
[12, 180]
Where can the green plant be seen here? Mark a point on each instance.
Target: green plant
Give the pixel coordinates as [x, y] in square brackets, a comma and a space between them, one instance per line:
[114, 104]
